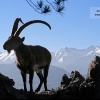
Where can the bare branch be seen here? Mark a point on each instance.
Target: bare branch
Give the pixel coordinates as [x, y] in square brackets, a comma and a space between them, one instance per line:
[33, 3]
[51, 4]
[33, 7]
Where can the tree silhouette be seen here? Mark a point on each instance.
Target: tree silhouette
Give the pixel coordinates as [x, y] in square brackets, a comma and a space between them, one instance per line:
[41, 8]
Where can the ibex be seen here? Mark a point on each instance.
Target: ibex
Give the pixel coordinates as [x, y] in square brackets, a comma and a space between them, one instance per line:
[29, 58]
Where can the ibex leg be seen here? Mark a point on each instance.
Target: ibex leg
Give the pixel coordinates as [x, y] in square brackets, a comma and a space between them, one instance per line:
[39, 74]
[24, 80]
[31, 74]
[46, 69]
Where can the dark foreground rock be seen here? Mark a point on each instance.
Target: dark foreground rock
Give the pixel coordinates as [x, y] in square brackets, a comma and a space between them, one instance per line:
[7, 91]
[74, 87]
[81, 88]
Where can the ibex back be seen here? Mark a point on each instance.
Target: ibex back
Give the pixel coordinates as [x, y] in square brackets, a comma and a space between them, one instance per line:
[29, 58]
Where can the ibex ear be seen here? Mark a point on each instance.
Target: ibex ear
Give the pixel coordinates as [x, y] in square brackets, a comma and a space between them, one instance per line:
[23, 39]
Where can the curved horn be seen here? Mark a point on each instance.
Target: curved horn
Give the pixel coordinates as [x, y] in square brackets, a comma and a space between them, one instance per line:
[28, 23]
[15, 25]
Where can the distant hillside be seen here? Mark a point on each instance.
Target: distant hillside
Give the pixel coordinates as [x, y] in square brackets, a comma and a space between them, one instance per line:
[54, 77]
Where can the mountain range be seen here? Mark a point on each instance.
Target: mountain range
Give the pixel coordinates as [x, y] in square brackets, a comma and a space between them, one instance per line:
[75, 59]
[69, 59]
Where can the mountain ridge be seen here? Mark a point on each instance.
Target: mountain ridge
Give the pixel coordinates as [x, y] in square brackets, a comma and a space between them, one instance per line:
[66, 58]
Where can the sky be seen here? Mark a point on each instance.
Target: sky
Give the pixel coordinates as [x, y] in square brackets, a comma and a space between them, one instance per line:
[78, 28]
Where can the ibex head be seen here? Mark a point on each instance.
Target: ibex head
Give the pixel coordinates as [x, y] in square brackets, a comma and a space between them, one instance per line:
[14, 40]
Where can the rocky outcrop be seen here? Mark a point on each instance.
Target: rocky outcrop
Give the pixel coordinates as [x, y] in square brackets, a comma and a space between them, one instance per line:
[81, 88]
[7, 91]
[73, 87]
[94, 74]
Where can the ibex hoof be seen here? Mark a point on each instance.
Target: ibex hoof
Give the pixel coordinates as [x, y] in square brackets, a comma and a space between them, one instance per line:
[37, 90]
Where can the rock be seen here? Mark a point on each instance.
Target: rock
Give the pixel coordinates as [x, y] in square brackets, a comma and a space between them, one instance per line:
[46, 92]
[81, 88]
[64, 82]
[94, 73]
[75, 80]
[94, 69]
[87, 89]
[7, 91]
[5, 79]
[72, 88]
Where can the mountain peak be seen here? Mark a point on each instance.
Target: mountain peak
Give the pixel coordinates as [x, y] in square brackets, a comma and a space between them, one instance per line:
[93, 47]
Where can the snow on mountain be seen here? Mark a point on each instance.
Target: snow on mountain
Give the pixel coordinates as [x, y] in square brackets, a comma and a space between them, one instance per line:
[75, 59]
[66, 58]
[6, 58]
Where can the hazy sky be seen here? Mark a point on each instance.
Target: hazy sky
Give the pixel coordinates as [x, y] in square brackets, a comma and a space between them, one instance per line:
[77, 28]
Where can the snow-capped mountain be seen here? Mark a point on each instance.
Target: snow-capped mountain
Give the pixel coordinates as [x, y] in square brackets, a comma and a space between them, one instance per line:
[66, 58]
[75, 59]
[6, 58]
